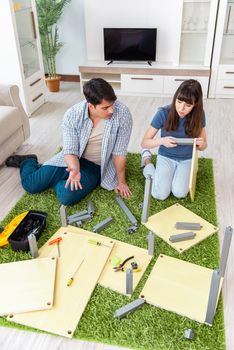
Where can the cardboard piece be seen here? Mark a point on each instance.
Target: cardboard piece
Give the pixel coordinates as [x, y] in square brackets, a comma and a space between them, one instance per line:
[70, 301]
[163, 225]
[179, 286]
[117, 280]
[27, 285]
[193, 172]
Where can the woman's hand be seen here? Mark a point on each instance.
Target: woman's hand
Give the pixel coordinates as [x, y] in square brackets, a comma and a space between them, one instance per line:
[73, 179]
[168, 141]
[201, 143]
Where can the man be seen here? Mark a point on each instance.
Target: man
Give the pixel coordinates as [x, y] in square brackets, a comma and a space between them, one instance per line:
[96, 134]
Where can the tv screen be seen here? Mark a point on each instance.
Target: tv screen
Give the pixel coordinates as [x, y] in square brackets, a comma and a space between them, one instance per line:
[130, 44]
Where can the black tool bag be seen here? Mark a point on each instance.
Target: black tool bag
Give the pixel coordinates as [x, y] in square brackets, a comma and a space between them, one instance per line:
[33, 222]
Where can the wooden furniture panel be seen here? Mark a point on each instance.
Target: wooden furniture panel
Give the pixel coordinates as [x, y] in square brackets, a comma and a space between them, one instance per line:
[70, 301]
[27, 285]
[163, 225]
[116, 280]
[179, 286]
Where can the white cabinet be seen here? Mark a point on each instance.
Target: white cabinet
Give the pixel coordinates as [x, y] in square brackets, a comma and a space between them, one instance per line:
[222, 72]
[142, 83]
[143, 80]
[197, 31]
[21, 60]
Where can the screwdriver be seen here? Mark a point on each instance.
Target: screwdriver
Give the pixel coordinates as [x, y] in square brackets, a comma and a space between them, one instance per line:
[56, 241]
[72, 278]
[93, 241]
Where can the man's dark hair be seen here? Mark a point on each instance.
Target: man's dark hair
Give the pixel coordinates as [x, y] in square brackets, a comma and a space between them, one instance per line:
[97, 89]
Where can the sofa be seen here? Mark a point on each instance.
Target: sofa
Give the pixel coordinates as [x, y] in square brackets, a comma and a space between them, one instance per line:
[14, 122]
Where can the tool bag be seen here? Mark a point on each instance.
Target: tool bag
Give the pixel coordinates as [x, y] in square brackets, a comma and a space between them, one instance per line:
[34, 222]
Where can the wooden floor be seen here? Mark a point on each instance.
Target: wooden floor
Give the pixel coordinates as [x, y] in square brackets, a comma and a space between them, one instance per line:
[46, 137]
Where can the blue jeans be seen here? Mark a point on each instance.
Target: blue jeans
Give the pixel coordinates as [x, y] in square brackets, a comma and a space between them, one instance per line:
[36, 178]
[171, 176]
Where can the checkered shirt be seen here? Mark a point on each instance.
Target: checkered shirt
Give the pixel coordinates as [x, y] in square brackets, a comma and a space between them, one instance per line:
[77, 127]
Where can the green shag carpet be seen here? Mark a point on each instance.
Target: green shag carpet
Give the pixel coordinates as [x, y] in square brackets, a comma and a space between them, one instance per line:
[148, 327]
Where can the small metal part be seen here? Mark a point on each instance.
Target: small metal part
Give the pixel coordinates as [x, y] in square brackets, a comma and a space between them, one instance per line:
[32, 241]
[80, 218]
[182, 237]
[213, 296]
[103, 224]
[189, 334]
[127, 212]
[132, 229]
[147, 199]
[225, 249]
[63, 215]
[150, 238]
[78, 223]
[90, 207]
[188, 226]
[77, 215]
[184, 141]
[134, 305]
[134, 265]
[129, 281]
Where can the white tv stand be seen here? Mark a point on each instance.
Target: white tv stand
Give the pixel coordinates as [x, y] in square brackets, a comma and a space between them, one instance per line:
[142, 79]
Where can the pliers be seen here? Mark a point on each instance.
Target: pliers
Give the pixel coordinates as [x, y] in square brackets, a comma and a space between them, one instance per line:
[120, 267]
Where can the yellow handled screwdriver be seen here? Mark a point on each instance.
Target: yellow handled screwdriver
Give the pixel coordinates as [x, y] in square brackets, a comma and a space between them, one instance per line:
[72, 278]
[93, 241]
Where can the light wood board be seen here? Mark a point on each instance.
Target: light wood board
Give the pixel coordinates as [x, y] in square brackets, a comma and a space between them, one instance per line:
[117, 280]
[69, 302]
[27, 285]
[179, 286]
[193, 172]
[163, 225]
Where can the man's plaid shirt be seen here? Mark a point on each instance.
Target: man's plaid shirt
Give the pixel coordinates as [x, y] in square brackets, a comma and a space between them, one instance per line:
[77, 127]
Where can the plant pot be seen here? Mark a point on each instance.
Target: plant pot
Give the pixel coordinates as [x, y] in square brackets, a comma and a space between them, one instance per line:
[53, 84]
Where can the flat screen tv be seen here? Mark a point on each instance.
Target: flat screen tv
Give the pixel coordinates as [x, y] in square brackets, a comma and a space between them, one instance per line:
[130, 44]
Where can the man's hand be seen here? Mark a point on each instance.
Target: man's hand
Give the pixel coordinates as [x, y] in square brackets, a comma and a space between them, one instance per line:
[73, 179]
[168, 141]
[123, 190]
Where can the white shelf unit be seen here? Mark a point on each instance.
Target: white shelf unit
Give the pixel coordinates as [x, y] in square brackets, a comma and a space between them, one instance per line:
[143, 80]
[222, 77]
[197, 32]
[21, 58]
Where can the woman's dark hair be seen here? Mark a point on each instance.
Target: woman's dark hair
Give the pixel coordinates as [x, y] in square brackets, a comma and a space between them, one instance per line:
[97, 89]
[190, 92]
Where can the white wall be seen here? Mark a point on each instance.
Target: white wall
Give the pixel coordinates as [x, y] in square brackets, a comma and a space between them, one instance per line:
[162, 14]
[72, 34]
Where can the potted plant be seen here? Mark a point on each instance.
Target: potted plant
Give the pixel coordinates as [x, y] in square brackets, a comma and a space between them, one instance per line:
[49, 12]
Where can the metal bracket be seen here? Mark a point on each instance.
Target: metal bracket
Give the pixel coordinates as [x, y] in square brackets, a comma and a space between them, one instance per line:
[188, 226]
[90, 208]
[184, 141]
[63, 215]
[128, 213]
[150, 238]
[214, 290]
[134, 305]
[147, 199]
[129, 281]
[76, 217]
[182, 237]
[225, 249]
[216, 276]
[103, 224]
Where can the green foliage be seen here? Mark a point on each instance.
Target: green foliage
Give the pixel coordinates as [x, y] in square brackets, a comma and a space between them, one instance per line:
[149, 328]
[49, 12]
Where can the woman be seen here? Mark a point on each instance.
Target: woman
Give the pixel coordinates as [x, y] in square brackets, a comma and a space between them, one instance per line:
[184, 118]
